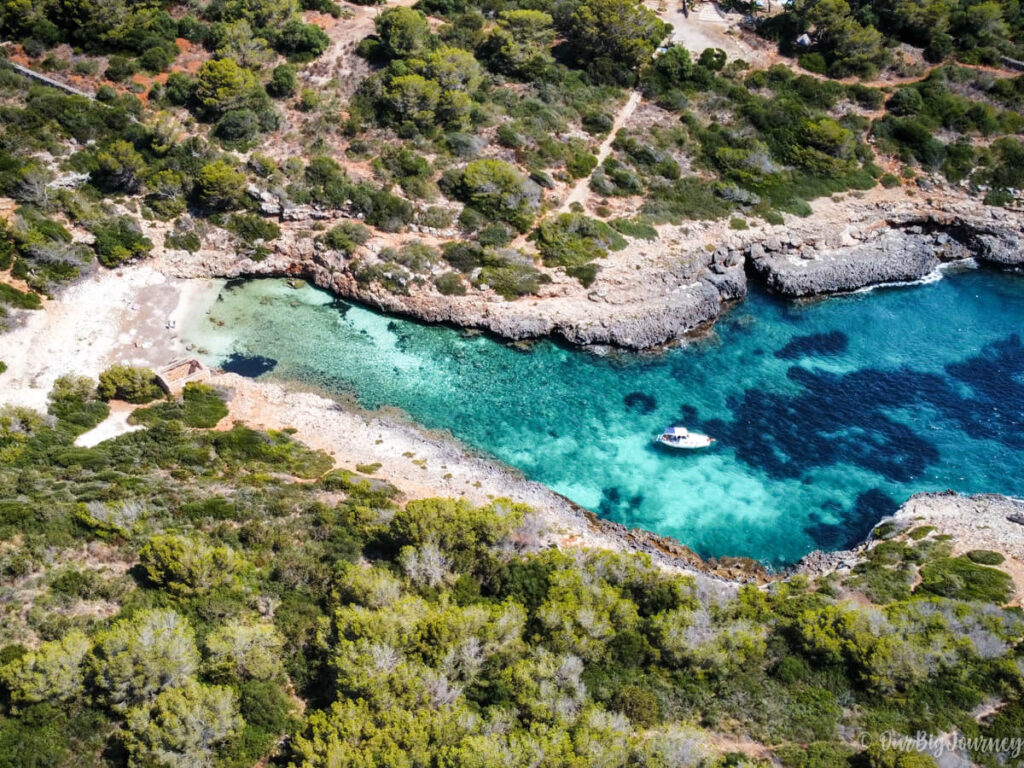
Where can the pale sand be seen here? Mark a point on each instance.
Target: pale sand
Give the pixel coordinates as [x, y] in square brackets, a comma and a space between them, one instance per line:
[109, 317]
[133, 316]
[115, 424]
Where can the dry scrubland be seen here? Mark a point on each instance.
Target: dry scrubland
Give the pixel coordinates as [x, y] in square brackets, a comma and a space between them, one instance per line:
[245, 575]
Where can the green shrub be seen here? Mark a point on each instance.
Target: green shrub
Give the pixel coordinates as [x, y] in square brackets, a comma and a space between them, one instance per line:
[300, 41]
[133, 385]
[119, 68]
[638, 228]
[960, 579]
[346, 237]
[510, 279]
[450, 284]
[283, 82]
[889, 181]
[201, 406]
[498, 190]
[219, 186]
[813, 62]
[985, 557]
[920, 532]
[573, 241]
[495, 236]
[737, 223]
[580, 164]
[119, 240]
[74, 401]
[12, 297]
[251, 227]
[185, 241]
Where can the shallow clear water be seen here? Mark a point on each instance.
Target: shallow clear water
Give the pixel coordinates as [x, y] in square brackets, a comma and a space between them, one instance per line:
[827, 414]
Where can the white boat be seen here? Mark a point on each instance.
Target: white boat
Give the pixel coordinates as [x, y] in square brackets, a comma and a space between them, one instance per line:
[680, 437]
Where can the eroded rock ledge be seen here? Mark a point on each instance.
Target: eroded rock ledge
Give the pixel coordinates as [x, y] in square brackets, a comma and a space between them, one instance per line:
[654, 293]
[900, 248]
[981, 521]
[645, 297]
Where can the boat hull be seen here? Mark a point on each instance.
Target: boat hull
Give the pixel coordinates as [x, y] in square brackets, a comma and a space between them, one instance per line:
[690, 443]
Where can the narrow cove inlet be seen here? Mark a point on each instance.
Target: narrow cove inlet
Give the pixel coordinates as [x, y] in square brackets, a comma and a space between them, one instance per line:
[827, 415]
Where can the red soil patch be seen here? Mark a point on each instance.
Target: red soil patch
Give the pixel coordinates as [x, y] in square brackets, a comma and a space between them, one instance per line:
[323, 20]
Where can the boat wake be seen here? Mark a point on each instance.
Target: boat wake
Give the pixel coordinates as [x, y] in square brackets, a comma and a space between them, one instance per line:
[932, 277]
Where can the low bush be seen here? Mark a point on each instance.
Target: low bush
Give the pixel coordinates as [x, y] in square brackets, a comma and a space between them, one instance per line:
[985, 557]
[201, 406]
[346, 237]
[252, 228]
[133, 385]
[119, 240]
[450, 284]
[573, 241]
[961, 579]
[639, 228]
[75, 401]
[12, 297]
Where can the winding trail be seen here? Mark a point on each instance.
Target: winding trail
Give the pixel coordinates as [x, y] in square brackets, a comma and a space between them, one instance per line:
[581, 191]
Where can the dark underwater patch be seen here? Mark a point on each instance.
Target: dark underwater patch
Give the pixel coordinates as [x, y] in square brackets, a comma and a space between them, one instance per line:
[249, 366]
[616, 506]
[870, 507]
[996, 410]
[340, 306]
[688, 413]
[846, 418]
[640, 401]
[815, 344]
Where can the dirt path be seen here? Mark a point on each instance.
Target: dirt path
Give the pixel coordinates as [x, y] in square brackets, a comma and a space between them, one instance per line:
[339, 60]
[114, 425]
[581, 191]
[708, 27]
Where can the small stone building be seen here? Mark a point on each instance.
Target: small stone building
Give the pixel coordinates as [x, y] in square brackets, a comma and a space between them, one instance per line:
[173, 377]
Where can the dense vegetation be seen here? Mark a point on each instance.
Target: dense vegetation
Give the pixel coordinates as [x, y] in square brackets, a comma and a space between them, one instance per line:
[185, 597]
[859, 38]
[472, 123]
[181, 596]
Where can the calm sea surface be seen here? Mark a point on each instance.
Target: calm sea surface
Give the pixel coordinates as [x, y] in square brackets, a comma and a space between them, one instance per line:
[827, 414]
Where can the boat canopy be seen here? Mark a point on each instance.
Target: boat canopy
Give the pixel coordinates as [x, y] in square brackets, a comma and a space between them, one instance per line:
[677, 432]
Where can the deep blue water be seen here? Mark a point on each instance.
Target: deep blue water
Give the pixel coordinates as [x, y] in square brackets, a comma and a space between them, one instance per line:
[828, 414]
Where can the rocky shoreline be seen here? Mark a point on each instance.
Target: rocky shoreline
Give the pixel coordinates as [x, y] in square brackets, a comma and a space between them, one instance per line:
[979, 521]
[901, 248]
[654, 294]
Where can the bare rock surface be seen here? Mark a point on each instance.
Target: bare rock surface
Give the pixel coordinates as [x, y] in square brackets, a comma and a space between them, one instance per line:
[642, 298]
[893, 245]
[981, 521]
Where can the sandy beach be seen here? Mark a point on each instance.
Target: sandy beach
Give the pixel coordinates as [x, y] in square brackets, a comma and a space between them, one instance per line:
[109, 317]
[133, 316]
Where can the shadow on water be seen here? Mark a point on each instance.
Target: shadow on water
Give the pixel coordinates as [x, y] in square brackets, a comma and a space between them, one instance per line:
[855, 524]
[250, 366]
[849, 418]
[819, 344]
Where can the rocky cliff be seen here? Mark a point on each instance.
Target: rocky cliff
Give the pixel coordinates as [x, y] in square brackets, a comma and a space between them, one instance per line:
[653, 293]
[644, 297]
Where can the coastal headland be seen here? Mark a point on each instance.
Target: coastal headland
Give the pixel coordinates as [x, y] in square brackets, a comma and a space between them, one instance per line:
[654, 293]
[146, 308]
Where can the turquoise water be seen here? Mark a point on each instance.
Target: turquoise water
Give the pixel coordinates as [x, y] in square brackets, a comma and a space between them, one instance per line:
[827, 414]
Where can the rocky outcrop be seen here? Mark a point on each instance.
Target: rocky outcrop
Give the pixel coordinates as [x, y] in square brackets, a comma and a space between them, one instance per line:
[638, 302]
[897, 248]
[667, 550]
[650, 294]
[981, 521]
